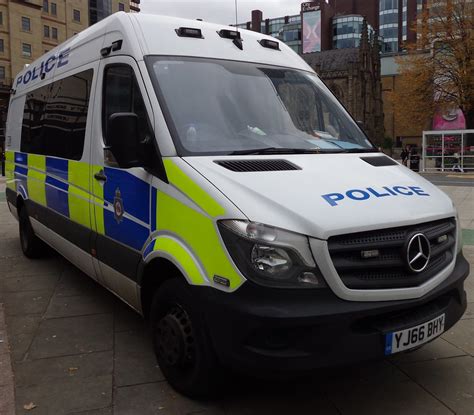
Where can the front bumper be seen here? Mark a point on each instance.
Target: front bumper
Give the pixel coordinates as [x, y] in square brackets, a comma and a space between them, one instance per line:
[259, 329]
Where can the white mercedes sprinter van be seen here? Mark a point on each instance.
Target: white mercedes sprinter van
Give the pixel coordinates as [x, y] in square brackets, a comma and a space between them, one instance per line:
[211, 181]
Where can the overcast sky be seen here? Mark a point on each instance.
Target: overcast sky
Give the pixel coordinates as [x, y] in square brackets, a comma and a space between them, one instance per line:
[220, 11]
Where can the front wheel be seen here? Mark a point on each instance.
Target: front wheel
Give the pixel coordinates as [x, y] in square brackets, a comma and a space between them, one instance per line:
[182, 347]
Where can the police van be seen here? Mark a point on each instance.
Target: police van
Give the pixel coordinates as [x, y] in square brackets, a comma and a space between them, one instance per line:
[208, 178]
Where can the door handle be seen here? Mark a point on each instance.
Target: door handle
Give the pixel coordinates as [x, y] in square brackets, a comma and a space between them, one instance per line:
[100, 176]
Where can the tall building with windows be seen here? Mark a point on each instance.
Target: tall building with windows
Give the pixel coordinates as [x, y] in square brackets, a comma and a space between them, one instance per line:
[393, 21]
[397, 21]
[100, 9]
[347, 31]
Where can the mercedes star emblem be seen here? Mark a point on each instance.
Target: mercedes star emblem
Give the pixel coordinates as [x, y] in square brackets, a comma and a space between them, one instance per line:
[418, 253]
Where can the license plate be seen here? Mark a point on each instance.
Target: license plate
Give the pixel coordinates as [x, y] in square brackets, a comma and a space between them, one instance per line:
[409, 338]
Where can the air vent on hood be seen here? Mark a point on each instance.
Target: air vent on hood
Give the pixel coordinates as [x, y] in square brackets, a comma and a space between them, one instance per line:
[257, 165]
[379, 161]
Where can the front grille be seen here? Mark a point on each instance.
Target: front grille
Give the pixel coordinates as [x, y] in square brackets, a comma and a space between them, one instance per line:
[390, 269]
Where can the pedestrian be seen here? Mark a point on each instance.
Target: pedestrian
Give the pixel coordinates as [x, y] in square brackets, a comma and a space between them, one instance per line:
[457, 164]
[404, 155]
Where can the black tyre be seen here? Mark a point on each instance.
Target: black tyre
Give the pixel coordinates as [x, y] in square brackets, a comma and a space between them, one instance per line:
[182, 346]
[31, 245]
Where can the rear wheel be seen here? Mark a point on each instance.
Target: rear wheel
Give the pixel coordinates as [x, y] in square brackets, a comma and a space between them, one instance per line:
[31, 245]
[182, 347]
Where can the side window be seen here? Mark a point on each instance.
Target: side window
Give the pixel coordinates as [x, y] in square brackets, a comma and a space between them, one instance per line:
[54, 120]
[122, 94]
[32, 137]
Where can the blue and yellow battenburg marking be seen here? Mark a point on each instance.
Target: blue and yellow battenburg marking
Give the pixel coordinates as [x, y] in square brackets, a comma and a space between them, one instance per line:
[63, 186]
[126, 209]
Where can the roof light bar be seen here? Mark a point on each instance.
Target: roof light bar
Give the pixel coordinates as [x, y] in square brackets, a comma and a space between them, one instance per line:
[117, 45]
[234, 35]
[270, 44]
[229, 34]
[189, 32]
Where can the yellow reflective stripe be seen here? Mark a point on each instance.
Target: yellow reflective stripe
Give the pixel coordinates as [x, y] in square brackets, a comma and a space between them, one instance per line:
[179, 179]
[175, 250]
[37, 161]
[78, 195]
[198, 232]
[10, 156]
[98, 202]
[37, 178]
[37, 187]
[10, 169]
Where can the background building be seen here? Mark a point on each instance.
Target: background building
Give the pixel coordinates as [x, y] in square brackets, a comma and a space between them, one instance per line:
[339, 41]
[326, 31]
[99, 9]
[30, 28]
[353, 75]
[341, 23]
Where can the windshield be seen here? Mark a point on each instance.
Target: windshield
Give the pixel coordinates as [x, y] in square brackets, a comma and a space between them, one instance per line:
[227, 107]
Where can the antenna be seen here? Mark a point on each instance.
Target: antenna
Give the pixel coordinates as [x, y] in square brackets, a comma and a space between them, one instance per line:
[236, 16]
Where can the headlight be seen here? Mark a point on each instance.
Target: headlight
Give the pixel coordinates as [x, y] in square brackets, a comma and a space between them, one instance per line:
[271, 256]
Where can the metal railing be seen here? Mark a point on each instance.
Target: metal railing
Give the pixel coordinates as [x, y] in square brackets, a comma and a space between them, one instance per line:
[448, 150]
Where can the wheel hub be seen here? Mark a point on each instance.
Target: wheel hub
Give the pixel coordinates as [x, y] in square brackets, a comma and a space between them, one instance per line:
[175, 338]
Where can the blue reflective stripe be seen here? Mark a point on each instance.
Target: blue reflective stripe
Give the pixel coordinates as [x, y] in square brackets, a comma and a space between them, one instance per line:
[134, 192]
[57, 195]
[127, 232]
[149, 249]
[21, 158]
[21, 170]
[57, 167]
[57, 183]
[154, 193]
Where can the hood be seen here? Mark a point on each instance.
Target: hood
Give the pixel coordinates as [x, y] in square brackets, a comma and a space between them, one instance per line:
[328, 194]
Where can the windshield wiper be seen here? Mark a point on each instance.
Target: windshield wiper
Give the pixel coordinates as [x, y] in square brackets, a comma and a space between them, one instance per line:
[282, 150]
[360, 150]
[276, 150]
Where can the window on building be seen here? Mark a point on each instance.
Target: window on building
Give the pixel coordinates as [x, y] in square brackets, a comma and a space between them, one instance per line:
[122, 94]
[54, 9]
[26, 50]
[54, 119]
[54, 33]
[2, 72]
[46, 31]
[121, 7]
[46, 6]
[1, 18]
[76, 15]
[2, 46]
[25, 24]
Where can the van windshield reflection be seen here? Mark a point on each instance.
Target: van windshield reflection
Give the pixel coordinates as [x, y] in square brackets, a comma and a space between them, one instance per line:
[228, 107]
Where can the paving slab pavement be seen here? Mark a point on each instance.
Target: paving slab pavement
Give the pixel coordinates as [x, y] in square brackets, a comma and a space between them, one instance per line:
[7, 396]
[76, 349]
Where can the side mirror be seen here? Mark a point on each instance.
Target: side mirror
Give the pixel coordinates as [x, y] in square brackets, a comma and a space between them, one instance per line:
[123, 139]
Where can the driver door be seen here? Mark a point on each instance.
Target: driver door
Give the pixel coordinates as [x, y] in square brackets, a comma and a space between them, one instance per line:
[121, 205]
